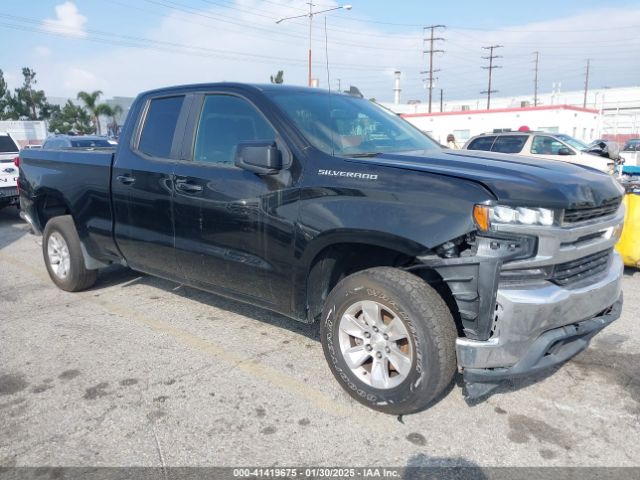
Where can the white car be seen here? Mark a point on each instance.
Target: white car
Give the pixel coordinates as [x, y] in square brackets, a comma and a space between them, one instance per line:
[8, 171]
[541, 145]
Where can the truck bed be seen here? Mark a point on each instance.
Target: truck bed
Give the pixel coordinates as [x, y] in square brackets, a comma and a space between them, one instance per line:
[75, 181]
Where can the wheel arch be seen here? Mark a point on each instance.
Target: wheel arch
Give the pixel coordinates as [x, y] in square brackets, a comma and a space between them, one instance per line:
[51, 203]
[334, 256]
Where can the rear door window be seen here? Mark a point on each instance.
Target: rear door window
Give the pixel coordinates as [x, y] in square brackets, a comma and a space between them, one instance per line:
[509, 144]
[7, 145]
[160, 125]
[481, 143]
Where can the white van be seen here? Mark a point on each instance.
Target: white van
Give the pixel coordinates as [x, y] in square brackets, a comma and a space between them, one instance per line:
[8, 170]
[541, 145]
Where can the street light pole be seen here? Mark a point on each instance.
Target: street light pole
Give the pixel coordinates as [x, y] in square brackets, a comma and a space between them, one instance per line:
[310, 34]
[310, 15]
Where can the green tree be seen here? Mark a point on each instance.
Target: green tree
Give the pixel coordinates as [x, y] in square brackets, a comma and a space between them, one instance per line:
[4, 93]
[91, 104]
[28, 102]
[278, 78]
[69, 118]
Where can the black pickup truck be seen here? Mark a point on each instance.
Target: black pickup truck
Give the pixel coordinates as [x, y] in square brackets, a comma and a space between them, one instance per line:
[418, 261]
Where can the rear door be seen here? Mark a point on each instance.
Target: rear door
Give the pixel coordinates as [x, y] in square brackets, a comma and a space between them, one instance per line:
[230, 237]
[142, 186]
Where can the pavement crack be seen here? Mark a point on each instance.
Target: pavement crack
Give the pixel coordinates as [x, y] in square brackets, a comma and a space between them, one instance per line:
[163, 464]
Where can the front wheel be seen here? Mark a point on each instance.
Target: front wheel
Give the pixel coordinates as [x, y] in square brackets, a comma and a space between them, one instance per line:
[63, 255]
[389, 339]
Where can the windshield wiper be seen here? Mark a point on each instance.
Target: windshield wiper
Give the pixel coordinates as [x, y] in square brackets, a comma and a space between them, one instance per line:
[364, 155]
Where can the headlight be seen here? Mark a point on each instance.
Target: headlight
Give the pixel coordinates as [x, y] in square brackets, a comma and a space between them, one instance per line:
[499, 214]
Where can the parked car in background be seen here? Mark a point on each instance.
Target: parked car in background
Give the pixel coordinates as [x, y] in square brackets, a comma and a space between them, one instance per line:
[8, 170]
[632, 145]
[631, 152]
[541, 145]
[58, 142]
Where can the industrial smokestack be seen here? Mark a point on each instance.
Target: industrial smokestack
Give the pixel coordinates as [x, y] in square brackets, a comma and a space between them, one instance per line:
[396, 88]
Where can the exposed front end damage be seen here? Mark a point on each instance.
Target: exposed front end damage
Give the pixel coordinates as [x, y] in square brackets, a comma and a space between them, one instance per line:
[530, 297]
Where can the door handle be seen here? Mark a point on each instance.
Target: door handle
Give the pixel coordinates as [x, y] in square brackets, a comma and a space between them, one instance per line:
[126, 179]
[188, 187]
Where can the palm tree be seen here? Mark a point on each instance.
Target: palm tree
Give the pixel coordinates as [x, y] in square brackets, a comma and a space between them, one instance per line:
[112, 112]
[116, 111]
[91, 103]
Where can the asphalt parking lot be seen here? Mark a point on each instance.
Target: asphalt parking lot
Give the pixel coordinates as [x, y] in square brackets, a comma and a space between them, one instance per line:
[142, 371]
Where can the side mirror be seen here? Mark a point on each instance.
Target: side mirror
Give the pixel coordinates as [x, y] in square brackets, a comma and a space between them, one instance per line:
[259, 156]
[565, 151]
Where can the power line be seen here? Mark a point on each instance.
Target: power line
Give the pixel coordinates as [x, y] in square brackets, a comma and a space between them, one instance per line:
[143, 43]
[491, 67]
[431, 51]
[511, 30]
[499, 30]
[256, 27]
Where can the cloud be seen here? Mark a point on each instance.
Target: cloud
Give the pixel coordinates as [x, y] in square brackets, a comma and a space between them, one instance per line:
[69, 21]
[77, 79]
[42, 51]
[243, 43]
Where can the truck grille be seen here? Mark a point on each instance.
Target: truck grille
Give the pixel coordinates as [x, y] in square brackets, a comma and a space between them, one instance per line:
[584, 267]
[581, 214]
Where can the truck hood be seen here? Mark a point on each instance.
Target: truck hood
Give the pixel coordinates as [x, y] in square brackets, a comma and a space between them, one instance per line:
[513, 180]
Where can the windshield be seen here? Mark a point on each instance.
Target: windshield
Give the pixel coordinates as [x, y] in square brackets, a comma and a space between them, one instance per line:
[7, 145]
[572, 142]
[349, 126]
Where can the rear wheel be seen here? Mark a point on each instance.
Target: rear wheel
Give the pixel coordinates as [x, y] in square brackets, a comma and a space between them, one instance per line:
[389, 339]
[63, 256]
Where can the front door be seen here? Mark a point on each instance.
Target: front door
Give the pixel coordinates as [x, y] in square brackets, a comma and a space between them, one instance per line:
[230, 237]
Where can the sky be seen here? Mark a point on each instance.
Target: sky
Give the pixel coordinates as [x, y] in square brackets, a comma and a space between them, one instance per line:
[123, 47]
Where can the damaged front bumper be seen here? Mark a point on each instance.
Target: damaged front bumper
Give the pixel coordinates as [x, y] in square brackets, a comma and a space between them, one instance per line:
[539, 327]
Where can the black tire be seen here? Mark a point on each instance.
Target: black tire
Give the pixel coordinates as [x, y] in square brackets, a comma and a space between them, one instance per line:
[431, 332]
[78, 276]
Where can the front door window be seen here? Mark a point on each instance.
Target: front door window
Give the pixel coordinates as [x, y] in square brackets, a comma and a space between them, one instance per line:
[225, 122]
[543, 145]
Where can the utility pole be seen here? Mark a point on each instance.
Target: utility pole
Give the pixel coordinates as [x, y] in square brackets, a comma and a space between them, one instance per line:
[310, 15]
[491, 66]
[431, 51]
[440, 100]
[586, 84]
[535, 81]
[396, 87]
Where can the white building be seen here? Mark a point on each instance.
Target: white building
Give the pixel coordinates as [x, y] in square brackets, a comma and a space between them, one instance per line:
[581, 123]
[619, 110]
[25, 132]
